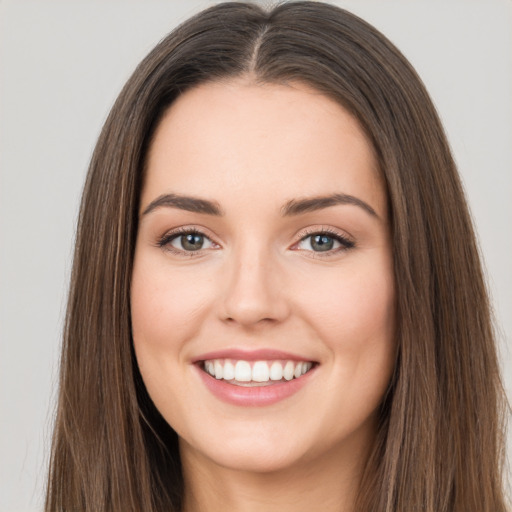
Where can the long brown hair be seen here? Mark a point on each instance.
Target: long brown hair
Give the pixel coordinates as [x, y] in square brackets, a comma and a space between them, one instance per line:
[440, 443]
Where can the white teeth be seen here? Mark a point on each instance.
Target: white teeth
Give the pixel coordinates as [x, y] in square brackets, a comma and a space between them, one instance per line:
[229, 370]
[210, 368]
[218, 370]
[258, 371]
[288, 370]
[276, 371]
[243, 371]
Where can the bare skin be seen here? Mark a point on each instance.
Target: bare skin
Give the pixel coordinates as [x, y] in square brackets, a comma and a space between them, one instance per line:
[253, 272]
[328, 485]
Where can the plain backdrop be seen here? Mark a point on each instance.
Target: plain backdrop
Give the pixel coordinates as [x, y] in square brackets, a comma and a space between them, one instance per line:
[61, 66]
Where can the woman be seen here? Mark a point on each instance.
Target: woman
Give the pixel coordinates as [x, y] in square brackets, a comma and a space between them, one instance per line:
[276, 298]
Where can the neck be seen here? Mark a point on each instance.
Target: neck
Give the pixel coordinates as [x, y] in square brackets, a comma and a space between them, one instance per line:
[329, 483]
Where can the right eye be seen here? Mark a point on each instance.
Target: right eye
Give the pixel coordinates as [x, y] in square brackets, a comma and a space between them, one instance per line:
[186, 241]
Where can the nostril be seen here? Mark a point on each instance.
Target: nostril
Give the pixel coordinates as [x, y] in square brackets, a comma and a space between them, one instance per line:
[248, 321]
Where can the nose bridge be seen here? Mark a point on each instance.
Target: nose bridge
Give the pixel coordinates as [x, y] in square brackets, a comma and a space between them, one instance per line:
[253, 292]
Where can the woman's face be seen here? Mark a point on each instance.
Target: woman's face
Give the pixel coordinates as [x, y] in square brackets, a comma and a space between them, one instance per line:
[264, 252]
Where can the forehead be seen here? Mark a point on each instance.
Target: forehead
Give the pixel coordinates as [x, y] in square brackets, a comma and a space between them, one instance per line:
[258, 142]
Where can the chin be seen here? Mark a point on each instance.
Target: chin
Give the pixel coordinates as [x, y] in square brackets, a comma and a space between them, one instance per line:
[253, 459]
[265, 452]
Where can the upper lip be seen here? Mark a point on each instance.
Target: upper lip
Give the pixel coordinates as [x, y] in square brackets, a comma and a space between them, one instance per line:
[250, 355]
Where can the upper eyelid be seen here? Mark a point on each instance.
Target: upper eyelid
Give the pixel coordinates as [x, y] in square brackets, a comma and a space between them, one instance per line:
[310, 231]
[183, 230]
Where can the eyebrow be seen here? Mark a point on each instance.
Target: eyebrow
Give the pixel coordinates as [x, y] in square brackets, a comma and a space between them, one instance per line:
[289, 209]
[298, 206]
[188, 203]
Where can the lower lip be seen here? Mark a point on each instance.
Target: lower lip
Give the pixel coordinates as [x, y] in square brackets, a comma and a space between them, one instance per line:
[254, 395]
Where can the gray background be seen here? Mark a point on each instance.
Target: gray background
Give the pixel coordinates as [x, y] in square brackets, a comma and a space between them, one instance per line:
[62, 65]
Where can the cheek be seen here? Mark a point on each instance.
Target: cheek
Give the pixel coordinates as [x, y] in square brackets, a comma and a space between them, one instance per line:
[165, 305]
[352, 305]
[167, 310]
[355, 318]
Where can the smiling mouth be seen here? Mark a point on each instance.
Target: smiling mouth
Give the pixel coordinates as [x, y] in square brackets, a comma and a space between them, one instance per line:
[255, 373]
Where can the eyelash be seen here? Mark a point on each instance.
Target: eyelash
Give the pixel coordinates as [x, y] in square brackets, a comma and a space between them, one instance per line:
[346, 244]
[165, 241]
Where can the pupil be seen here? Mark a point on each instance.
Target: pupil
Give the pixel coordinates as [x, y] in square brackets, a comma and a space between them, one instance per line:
[322, 243]
[192, 241]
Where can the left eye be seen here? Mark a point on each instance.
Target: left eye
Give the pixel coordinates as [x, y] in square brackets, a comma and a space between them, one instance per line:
[323, 242]
[188, 242]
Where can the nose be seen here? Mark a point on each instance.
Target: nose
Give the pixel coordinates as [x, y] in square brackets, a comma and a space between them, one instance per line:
[253, 289]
